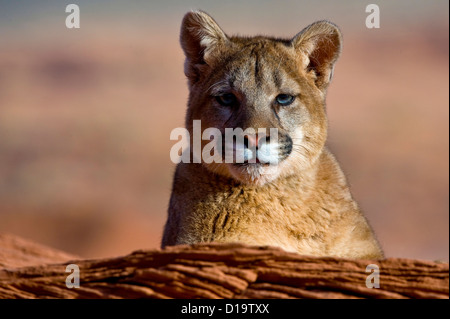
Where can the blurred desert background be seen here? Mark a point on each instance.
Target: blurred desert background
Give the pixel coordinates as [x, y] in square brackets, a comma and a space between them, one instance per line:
[86, 114]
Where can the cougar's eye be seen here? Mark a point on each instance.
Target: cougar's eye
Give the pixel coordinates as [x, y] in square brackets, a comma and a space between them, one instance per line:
[284, 99]
[227, 99]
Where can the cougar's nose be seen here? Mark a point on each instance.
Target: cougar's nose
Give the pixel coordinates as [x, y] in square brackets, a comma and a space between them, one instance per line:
[255, 140]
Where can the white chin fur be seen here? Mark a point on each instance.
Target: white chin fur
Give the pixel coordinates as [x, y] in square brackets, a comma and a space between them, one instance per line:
[266, 153]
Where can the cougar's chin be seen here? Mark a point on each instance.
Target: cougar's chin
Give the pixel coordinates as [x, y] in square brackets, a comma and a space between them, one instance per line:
[256, 174]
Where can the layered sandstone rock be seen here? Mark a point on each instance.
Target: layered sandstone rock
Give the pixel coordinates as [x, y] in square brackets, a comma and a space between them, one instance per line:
[212, 271]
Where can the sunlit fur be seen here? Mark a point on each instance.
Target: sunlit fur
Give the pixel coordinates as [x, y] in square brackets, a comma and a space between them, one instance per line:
[302, 203]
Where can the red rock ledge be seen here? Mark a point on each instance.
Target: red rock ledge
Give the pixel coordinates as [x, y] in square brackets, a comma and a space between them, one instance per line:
[212, 271]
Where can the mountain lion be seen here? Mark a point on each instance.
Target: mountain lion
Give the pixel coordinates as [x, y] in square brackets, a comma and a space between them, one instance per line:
[290, 193]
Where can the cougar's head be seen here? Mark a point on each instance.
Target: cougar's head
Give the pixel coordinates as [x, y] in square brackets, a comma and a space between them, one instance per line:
[261, 100]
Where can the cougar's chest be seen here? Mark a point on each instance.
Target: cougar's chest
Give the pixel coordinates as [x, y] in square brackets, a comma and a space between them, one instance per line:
[242, 213]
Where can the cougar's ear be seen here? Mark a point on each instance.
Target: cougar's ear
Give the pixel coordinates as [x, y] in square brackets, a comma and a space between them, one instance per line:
[319, 45]
[200, 38]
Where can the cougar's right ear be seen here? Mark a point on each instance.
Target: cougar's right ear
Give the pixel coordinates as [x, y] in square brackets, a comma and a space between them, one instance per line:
[200, 38]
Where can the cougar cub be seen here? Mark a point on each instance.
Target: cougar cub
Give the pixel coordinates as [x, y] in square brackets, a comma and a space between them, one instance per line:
[290, 193]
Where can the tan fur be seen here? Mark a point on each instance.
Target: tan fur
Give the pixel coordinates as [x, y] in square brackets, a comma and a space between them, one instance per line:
[303, 203]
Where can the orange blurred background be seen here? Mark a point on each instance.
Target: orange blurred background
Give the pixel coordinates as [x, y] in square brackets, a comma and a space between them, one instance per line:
[86, 114]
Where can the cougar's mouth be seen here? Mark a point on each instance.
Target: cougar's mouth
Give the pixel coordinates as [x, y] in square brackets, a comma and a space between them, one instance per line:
[264, 154]
[255, 162]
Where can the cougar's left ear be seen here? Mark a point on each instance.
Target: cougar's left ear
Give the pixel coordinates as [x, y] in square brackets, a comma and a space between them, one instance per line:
[200, 38]
[319, 45]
